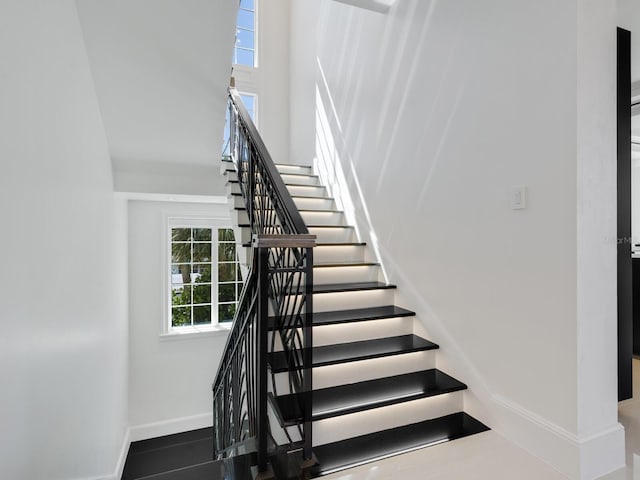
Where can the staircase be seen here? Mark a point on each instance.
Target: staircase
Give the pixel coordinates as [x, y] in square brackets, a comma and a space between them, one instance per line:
[376, 389]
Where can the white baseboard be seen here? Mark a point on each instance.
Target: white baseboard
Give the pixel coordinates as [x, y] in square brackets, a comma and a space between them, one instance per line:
[152, 430]
[586, 458]
[169, 427]
[124, 451]
[122, 458]
[602, 453]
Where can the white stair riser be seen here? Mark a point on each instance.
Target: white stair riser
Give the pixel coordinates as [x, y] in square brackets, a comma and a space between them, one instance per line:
[230, 175]
[232, 188]
[314, 203]
[240, 217]
[323, 218]
[366, 330]
[362, 370]
[299, 179]
[333, 235]
[326, 302]
[383, 418]
[328, 275]
[310, 218]
[294, 169]
[236, 202]
[339, 253]
[308, 191]
[245, 235]
[355, 331]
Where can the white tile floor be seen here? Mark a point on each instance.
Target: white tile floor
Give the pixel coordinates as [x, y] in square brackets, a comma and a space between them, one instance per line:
[483, 456]
[489, 456]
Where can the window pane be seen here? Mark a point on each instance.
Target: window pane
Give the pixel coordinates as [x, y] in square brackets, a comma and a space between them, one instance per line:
[244, 57]
[239, 273]
[201, 273]
[180, 252]
[181, 296]
[245, 38]
[227, 252]
[201, 252]
[227, 292]
[202, 294]
[180, 316]
[202, 314]
[180, 274]
[246, 19]
[226, 235]
[180, 234]
[226, 312]
[226, 272]
[248, 4]
[202, 234]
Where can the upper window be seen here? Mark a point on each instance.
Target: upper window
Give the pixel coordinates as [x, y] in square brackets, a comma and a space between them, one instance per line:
[245, 49]
[204, 276]
[249, 100]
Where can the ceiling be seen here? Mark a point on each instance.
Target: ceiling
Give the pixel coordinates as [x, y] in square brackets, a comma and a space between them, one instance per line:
[161, 69]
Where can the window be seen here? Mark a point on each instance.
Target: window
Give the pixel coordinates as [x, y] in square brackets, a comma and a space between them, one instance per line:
[249, 100]
[204, 275]
[245, 49]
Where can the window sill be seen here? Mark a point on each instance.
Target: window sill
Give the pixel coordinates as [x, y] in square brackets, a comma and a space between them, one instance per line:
[197, 332]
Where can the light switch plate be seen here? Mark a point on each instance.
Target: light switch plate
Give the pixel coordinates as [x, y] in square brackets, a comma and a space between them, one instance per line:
[518, 197]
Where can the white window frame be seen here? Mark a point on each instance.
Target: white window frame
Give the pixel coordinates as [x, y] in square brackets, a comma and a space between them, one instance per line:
[256, 46]
[214, 327]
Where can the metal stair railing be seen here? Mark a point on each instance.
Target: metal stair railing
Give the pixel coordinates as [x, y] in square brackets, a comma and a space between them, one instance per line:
[274, 315]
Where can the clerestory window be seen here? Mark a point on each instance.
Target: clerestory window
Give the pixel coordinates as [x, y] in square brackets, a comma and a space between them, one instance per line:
[244, 52]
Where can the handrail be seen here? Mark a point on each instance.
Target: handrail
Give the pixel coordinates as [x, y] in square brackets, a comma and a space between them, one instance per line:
[274, 315]
[289, 207]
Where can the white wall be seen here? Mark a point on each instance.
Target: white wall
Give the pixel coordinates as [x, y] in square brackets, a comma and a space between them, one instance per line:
[169, 377]
[270, 81]
[63, 350]
[435, 110]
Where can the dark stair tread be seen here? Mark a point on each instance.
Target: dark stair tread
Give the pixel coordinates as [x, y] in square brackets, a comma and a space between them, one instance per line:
[355, 315]
[349, 263]
[360, 314]
[324, 244]
[337, 456]
[316, 197]
[356, 397]
[288, 184]
[233, 170]
[342, 244]
[246, 225]
[237, 468]
[171, 440]
[349, 287]
[353, 351]
[330, 226]
[170, 457]
[213, 470]
[244, 209]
